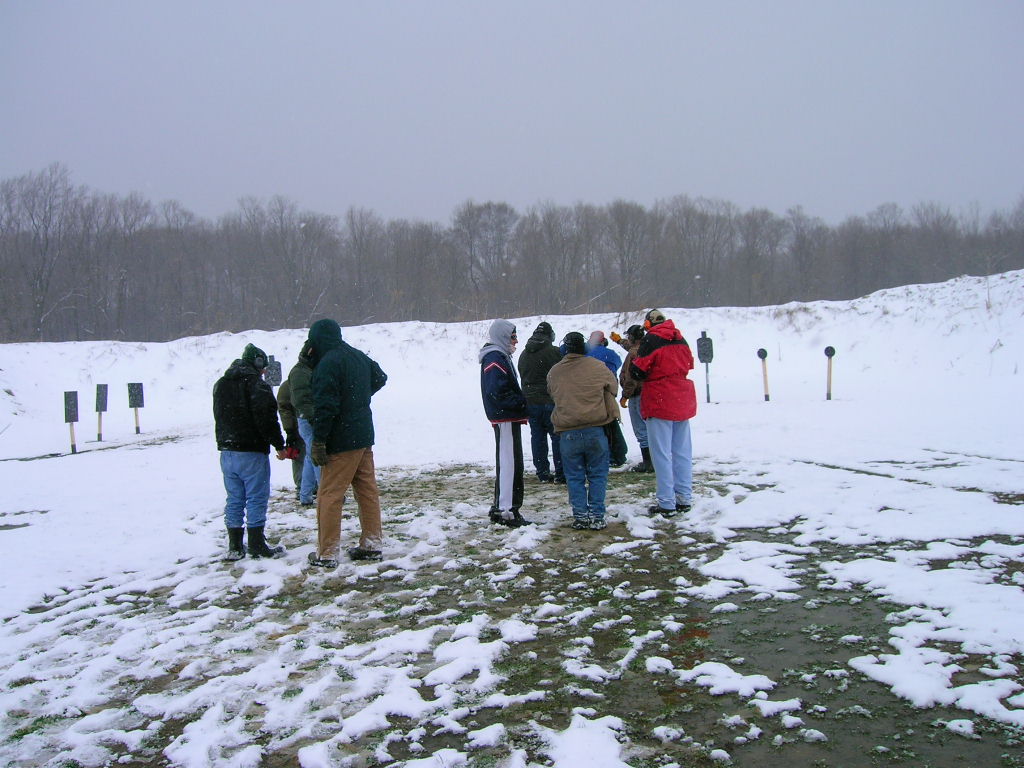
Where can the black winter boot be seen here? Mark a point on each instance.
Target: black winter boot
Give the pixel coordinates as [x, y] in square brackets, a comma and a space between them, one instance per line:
[258, 546]
[517, 520]
[236, 549]
[645, 465]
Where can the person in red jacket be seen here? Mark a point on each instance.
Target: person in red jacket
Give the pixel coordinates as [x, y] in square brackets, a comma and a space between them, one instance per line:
[668, 400]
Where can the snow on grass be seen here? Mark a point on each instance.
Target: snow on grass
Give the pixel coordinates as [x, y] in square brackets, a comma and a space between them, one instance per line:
[834, 546]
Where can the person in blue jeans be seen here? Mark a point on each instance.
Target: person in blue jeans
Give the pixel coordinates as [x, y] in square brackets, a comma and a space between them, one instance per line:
[668, 400]
[539, 356]
[300, 379]
[584, 391]
[246, 426]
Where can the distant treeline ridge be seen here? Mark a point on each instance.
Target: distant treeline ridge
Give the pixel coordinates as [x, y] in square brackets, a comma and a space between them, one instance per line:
[77, 264]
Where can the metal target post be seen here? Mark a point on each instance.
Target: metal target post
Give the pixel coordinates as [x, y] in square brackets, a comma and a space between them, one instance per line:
[763, 354]
[273, 374]
[830, 352]
[705, 353]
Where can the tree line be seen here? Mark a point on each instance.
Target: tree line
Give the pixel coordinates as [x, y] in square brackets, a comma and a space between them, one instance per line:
[77, 264]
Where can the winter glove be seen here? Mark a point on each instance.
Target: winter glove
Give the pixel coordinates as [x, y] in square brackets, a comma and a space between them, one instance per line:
[616, 337]
[318, 453]
[624, 402]
[293, 440]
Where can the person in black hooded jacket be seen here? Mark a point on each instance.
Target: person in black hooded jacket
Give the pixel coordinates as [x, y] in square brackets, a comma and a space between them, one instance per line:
[245, 426]
[537, 358]
[344, 380]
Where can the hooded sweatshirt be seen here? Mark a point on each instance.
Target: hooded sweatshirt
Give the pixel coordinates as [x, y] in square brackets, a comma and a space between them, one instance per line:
[344, 380]
[499, 387]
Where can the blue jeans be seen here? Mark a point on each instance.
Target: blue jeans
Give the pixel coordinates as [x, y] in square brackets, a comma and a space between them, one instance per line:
[247, 481]
[639, 425]
[539, 417]
[585, 460]
[672, 456]
[310, 472]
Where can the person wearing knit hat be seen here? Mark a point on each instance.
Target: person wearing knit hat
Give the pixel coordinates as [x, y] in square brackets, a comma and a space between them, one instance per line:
[584, 393]
[630, 392]
[539, 355]
[668, 400]
[246, 425]
[255, 356]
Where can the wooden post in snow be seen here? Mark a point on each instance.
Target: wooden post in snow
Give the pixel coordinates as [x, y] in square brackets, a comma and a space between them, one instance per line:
[830, 352]
[71, 415]
[136, 401]
[763, 354]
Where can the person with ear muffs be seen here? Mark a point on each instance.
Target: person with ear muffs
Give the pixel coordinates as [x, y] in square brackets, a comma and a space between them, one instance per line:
[246, 425]
[668, 400]
[631, 389]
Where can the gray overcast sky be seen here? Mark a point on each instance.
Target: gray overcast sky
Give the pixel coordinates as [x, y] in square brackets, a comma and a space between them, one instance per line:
[411, 108]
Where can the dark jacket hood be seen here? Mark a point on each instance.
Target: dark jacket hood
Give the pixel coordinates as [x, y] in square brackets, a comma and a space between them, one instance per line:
[324, 335]
[239, 369]
[666, 330]
[537, 342]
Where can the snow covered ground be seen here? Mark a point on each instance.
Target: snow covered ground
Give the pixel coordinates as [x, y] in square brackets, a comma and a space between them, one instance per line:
[125, 637]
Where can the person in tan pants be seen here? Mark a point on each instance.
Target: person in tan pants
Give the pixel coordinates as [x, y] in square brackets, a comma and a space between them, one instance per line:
[348, 468]
[344, 380]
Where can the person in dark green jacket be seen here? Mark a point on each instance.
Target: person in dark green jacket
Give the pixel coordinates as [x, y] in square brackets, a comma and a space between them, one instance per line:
[300, 384]
[344, 380]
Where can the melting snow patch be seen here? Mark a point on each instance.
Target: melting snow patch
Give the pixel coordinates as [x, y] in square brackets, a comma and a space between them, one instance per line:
[719, 678]
[490, 736]
[963, 728]
[593, 743]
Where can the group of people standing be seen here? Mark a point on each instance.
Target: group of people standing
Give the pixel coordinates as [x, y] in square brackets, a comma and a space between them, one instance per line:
[328, 391]
[568, 395]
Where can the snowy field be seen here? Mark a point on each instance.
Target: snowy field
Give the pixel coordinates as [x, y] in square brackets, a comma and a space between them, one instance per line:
[895, 509]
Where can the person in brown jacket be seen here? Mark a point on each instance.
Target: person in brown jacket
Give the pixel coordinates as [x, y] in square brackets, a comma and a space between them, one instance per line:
[584, 391]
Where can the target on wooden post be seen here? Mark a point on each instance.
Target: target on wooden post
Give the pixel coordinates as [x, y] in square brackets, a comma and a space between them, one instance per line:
[101, 407]
[71, 415]
[136, 400]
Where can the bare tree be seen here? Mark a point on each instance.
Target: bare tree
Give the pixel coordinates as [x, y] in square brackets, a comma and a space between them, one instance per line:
[629, 236]
[43, 206]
